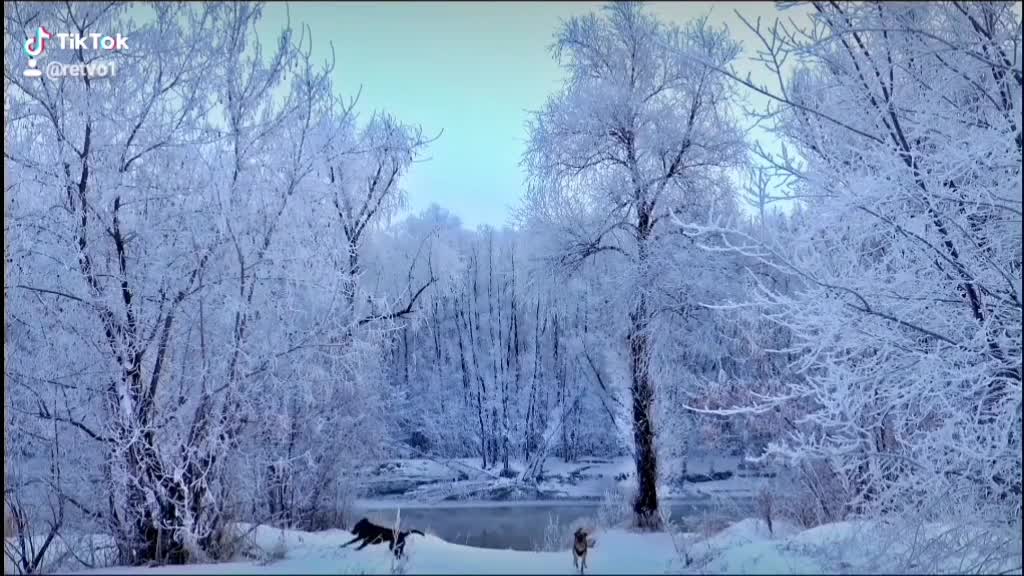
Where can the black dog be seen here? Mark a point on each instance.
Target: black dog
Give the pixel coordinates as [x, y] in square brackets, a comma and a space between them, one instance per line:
[371, 533]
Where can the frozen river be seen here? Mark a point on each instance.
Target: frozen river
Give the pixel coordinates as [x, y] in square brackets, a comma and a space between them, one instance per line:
[520, 525]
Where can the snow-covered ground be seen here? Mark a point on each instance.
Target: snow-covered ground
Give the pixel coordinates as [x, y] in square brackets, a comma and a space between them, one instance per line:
[744, 547]
[318, 553]
[696, 547]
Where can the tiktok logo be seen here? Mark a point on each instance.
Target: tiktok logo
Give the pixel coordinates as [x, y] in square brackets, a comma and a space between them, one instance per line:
[35, 47]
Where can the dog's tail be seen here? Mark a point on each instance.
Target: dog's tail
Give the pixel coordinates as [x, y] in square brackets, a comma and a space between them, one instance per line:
[416, 532]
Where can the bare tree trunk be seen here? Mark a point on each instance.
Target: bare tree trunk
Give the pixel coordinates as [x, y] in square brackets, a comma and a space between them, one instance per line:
[513, 357]
[559, 383]
[529, 437]
[494, 344]
[645, 507]
[474, 336]
[405, 355]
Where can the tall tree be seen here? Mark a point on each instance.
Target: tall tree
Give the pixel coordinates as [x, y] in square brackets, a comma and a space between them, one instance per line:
[640, 129]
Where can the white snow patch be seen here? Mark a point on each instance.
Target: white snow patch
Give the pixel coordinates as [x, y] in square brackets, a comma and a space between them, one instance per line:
[617, 552]
[744, 547]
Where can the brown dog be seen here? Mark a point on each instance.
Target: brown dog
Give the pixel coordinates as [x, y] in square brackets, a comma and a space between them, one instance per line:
[581, 543]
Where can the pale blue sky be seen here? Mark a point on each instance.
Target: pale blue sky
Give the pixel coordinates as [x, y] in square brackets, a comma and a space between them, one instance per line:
[473, 69]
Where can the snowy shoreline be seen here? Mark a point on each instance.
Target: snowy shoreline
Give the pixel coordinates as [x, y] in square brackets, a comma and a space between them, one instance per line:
[419, 480]
[746, 546]
[595, 501]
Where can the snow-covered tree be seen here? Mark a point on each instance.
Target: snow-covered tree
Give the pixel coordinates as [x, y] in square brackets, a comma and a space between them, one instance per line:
[904, 127]
[641, 129]
[175, 309]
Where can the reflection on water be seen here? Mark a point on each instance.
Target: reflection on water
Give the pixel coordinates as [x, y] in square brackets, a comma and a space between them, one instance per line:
[521, 527]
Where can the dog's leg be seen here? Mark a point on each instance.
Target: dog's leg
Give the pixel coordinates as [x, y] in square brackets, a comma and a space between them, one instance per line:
[350, 541]
[366, 543]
